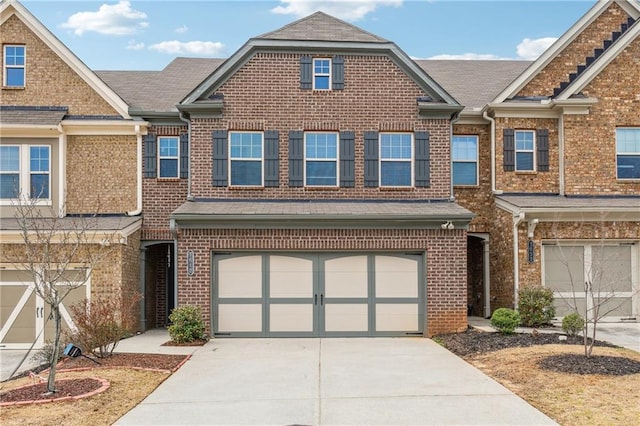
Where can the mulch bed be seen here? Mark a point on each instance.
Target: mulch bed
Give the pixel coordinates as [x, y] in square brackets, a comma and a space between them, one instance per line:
[196, 342]
[64, 389]
[127, 360]
[473, 342]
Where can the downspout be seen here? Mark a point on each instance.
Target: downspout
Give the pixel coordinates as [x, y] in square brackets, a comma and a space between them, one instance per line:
[561, 153]
[517, 220]
[143, 288]
[186, 120]
[138, 209]
[62, 171]
[486, 253]
[174, 234]
[454, 120]
[491, 120]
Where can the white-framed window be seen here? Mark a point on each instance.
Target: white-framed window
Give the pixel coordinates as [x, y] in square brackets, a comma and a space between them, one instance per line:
[321, 159]
[14, 65]
[525, 150]
[25, 170]
[321, 74]
[628, 153]
[246, 159]
[168, 157]
[464, 153]
[396, 159]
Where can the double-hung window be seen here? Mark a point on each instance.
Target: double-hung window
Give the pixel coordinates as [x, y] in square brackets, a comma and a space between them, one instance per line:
[628, 153]
[321, 74]
[14, 65]
[246, 157]
[168, 158]
[525, 150]
[464, 153]
[396, 159]
[321, 159]
[25, 170]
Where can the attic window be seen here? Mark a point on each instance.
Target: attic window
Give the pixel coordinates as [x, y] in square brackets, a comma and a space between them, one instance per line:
[321, 74]
[14, 62]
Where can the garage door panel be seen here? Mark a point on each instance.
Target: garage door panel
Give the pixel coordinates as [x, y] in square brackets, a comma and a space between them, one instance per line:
[290, 277]
[346, 277]
[239, 318]
[397, 317]
[347, 317]
[18, 315]
[396, 277]
[291, 317]
[240, 277]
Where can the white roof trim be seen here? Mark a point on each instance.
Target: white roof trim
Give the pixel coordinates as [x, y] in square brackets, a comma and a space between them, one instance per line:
[605, 59]
[13, 7]
[632, 7]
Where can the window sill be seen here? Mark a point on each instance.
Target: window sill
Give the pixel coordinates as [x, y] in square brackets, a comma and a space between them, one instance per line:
[35, 203]
[322, 188]
[246, 188]
[13, 87]
[163, 179]
[470, 186]
[632, 181]
[396, 188]
[526, 172]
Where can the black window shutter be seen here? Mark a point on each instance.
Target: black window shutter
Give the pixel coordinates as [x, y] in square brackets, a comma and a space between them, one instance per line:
[509, 150]
[184, 155]
[220, 158]
[347, 159]
[306, 72]
[271, 159]
[371, 169]
[337, 75]
[150, 155]
[422, 160]
[542, 147]
[296, 159]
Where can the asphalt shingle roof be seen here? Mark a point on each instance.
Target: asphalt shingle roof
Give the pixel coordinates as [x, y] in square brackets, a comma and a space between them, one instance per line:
[100, 223]
[561, 202]
[322, 27]
[32, 115]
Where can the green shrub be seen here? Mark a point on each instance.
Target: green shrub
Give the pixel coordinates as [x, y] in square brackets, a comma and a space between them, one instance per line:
[505, 320]
[572, 324]
[187, 324]
[535, 305]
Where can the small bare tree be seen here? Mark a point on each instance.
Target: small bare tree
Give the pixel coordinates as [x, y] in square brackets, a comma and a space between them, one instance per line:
[52, 246]
[595, 275]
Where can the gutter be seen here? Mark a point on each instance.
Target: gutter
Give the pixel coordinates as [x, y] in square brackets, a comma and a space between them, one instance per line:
[138, 209]
[186, 120]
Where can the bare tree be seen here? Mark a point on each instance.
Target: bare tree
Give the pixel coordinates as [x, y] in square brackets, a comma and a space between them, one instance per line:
[591, 277]
[53, 247]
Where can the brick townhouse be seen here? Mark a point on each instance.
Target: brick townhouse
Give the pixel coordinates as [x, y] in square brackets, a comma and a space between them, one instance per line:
[319, 182]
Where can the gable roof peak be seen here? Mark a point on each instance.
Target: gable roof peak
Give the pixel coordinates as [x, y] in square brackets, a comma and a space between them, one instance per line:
[320, 26]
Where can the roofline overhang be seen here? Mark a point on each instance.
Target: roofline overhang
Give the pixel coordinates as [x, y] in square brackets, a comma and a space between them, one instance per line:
[438, 110]
[472, 116]
[75, 127]
[244, 54]
[203, 109]
[571, 214]
[546, 108]
[308, 221]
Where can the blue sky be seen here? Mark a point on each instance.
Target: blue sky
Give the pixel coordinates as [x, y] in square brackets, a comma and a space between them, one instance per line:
[147, 35]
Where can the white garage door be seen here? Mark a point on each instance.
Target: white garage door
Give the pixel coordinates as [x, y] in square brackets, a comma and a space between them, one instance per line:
[25, 319]
[609, 269]
[271, 295]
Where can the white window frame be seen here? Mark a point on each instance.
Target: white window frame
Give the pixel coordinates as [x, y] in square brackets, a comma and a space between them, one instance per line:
[327, 74]
[6, 67]
[168, 157]
[411, 160]
[24, 175]
[231, 159]
[336, 160]
[476, 161]
[618, 154]
[532, 151]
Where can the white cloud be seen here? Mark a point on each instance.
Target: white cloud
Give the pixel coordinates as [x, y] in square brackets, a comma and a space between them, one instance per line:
[350, 10]
[197, 48]
[181, 30]
[133, 45]
[530, 49]
[116, 19]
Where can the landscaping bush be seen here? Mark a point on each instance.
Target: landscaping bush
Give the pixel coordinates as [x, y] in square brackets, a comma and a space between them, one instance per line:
[505, 320]
[187, 324]
[101, 323]
[535, 305]
[572, 324]
[44, 354]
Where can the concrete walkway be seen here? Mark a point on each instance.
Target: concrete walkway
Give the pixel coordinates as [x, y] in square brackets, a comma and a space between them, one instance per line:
[410, 381]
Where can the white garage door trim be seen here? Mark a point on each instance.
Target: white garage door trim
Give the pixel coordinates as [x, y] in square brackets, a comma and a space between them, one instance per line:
[317, 294]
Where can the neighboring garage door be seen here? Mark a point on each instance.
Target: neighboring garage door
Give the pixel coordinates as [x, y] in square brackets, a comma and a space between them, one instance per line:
[323, 295]
[609, 268]
[25, 318]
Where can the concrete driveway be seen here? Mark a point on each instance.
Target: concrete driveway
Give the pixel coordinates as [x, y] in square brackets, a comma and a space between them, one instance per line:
[378, 381]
